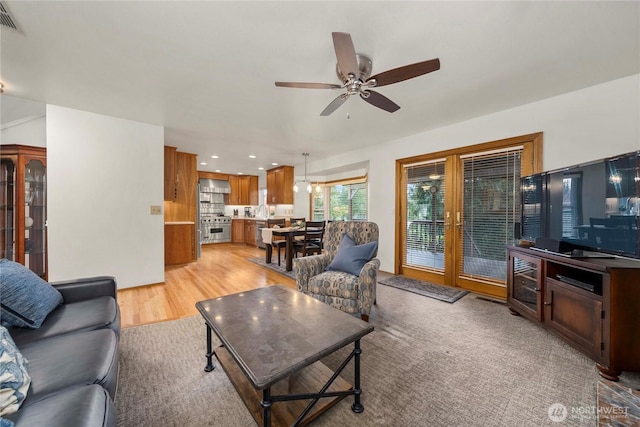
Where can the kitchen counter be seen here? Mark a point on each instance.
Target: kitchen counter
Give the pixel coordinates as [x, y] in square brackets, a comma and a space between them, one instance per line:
[178, 222]
[261, 218]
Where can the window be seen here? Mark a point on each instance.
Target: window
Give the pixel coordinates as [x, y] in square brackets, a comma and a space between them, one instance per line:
[341, 201]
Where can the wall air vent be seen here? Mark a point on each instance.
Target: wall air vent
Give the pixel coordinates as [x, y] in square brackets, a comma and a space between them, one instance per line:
[5, 18]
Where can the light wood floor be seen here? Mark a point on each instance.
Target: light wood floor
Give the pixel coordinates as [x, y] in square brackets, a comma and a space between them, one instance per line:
[223, 269]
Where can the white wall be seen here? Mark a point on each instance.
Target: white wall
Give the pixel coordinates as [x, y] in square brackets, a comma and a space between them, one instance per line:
[103, 174]
[23, 122]
[30, 131]
[588, 124]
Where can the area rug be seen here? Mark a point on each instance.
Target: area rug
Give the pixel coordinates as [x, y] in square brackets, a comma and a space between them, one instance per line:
[273, 266]
[425, 364]
[442, 293]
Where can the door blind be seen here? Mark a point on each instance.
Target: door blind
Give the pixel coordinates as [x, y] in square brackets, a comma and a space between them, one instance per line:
[425, 195]
[491, 211]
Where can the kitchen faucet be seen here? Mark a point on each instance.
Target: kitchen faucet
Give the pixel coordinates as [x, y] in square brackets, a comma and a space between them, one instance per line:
[261, 211]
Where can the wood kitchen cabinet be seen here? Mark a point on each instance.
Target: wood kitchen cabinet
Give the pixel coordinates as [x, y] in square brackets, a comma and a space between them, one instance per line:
[170, 188]
[183, 206]
[591, 303]
[179, 243]
[280, 185]
[23, 206]
[250, 232]
[244, 190]
[237, 230]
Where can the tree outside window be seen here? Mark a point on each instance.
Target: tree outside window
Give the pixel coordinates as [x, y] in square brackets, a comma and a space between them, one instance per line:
[346, 202]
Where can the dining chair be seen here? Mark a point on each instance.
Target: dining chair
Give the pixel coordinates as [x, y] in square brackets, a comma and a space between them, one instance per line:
[277, 242]
[311, 242]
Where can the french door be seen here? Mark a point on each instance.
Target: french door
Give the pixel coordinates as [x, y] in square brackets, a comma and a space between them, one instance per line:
[459, 208]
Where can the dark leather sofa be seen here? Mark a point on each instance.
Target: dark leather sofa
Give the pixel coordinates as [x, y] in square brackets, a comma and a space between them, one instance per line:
[73, 358]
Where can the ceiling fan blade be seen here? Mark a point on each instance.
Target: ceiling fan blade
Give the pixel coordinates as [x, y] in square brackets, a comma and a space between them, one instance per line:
[308, 85]
[405, 73]
[378, 100]
[335, 104]
[346, 54]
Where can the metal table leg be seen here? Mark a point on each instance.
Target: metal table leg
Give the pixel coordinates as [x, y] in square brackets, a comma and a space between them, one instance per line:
[210, 366]
[357, 391]
[266, 407]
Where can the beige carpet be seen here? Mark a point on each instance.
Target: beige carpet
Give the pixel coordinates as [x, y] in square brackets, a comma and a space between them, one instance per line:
[426, 364]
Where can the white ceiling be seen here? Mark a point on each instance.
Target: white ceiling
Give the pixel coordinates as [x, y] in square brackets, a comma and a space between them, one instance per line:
[206, 70]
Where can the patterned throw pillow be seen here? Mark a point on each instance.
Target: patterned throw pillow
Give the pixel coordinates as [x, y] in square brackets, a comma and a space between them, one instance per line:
[26, 298]
[350, 258]
[14, 378]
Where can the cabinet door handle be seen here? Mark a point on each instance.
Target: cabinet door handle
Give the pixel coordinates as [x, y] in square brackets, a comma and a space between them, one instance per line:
[537, 289]
[547, 303]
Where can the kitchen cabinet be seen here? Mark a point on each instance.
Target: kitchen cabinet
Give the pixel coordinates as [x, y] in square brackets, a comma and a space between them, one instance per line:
[170, 188]
[244, 190]
[280, 185]
[237, 230]
[179, 243]
[250, 232]
[23, 206]
[183, 206]
[590, 303]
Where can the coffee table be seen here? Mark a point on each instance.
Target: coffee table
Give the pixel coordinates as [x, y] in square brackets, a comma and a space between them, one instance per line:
[272, 341]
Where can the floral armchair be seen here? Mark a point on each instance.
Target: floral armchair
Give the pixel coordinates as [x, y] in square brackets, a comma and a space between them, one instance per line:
[352, 294]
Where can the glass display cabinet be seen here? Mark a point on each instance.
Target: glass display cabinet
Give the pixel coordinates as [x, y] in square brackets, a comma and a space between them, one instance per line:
[524, 284]
[23, 206]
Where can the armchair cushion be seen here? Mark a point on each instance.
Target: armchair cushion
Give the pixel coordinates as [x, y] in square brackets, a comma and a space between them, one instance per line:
[350, 257]
[334, 283]
[26, 298]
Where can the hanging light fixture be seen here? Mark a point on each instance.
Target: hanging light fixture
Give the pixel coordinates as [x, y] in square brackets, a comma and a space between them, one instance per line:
[308, 182]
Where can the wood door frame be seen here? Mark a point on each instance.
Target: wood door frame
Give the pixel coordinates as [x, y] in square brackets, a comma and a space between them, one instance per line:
[531, 163]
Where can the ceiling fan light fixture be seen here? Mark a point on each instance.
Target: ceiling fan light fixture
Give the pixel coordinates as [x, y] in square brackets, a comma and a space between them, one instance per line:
[354, 71]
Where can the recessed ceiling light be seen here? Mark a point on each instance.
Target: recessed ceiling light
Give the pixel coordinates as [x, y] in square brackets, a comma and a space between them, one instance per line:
[240, 173]
[203, 163]
[214, 157]
[260, 168]
[217, 170]
[251, 156]
[274, 164]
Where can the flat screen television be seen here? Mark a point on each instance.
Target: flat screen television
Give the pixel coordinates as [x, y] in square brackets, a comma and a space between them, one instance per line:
[594, 207]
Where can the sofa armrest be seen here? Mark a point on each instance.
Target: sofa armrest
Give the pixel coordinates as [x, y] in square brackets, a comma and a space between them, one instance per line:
[306, 267]
[87, 288]
[367, 285]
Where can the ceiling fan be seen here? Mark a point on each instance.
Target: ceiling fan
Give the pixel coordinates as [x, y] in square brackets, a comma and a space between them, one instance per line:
[354, 70]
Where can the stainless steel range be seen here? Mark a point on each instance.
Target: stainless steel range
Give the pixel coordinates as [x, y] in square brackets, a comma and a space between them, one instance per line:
[215, 229]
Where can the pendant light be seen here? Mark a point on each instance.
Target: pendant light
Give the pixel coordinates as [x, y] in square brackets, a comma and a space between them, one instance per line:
[309, 188]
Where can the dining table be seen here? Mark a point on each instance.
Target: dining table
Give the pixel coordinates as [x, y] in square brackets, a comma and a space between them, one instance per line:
[289, 233]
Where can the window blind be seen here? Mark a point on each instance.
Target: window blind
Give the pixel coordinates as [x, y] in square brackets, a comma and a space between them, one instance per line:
[425, 190]
[491, 209]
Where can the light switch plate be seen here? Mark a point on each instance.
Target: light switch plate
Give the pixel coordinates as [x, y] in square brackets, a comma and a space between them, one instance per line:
[155, 210]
